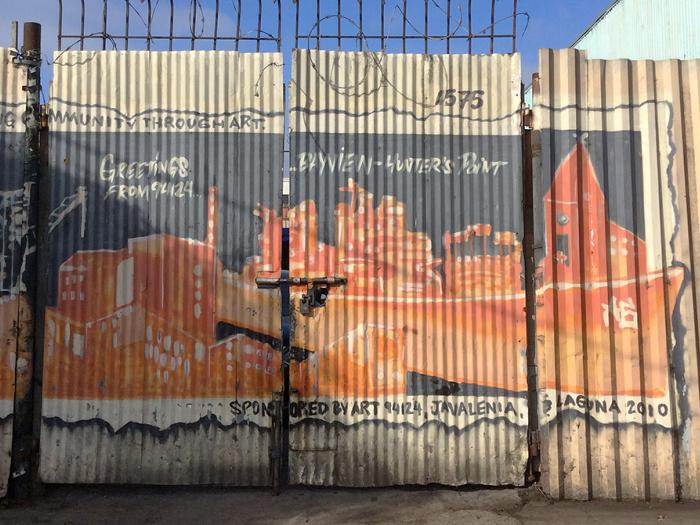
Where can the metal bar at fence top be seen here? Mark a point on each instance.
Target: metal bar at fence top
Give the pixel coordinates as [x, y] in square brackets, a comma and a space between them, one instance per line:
[211, 21]
[126, 24]
[60, 22]
[448, 28]
[339, 30]
[104, 25]
[238, 24]
[257, 47]
[82, 25]
[172, 9]
[493, 21]
[382, 23]
[361, 35]
[216, 24]
[403, 33]
[194, 24]
[471, 36]
[318, 24]
[515, 21]
[425, 27]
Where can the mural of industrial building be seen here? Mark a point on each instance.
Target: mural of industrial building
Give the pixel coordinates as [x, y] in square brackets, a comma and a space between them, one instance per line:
[13, 244]
[616, 315]
[145, 269]
[405, 180]
[161, 355]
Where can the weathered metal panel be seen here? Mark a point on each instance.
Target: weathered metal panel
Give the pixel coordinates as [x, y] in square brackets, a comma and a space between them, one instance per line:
[616, 301]
[13, 218]
[158, 367]
[644, 30]
[406, 179]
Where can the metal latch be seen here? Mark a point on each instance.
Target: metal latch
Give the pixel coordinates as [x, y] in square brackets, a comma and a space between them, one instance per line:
[317, 289]
[533, 440]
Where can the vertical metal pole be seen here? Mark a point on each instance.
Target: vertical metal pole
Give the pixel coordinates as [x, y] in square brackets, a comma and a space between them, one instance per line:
[127, 7]
[22, 432]
[296, 25]
[150, 25]
[448, 35]
[493, 21]
[60, 25]
[382, 23]
[279, 27]
[533, 470]
[194, 23]
[216, 24]
[469, 26]
[286, 326]
[362, 34]
[318, 24]
[403, 33]
[172, 15]
[339, 26]
[286, 353]
[238, 25]
[104, 25]
[82, 25]
[515, 20]
[425, 29]
[257, 44]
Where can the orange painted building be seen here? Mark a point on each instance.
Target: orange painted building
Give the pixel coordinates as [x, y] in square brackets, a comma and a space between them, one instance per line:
[156, 304]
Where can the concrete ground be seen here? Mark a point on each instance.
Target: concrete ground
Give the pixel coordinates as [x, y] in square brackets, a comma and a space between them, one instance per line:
[169, 505]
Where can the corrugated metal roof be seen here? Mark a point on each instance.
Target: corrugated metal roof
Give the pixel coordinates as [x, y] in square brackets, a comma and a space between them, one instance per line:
[602, 16]
[405, 176]
[644, 30]
[157, 369]
[617, 315]
[12, 219]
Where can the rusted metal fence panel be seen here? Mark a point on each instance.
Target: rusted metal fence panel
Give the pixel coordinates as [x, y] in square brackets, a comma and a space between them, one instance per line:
[159, 360]
[616, 308]
[406, 180]
[13, 236]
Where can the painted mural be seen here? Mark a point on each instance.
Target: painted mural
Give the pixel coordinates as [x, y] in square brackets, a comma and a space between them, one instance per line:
[600, 267]
[16, 242]
[405, 180]
[153, 240]
[163, 219]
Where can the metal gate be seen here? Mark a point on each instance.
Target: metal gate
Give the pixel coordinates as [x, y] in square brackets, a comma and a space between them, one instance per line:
[406, 183]
[161, 354]
[432, 245]
[14, 236]
[159, 361]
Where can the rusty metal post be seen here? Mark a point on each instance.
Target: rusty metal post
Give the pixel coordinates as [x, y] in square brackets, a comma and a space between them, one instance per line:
[533, 435]
[22, 434]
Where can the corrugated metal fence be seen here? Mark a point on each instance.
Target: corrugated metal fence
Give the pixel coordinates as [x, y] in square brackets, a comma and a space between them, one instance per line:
[617, 332]
[161, 357]
[13, 235]
[405, 174]
[162, 165]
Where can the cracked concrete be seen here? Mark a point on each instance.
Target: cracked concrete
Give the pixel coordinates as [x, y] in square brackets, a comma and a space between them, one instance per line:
[68, 505]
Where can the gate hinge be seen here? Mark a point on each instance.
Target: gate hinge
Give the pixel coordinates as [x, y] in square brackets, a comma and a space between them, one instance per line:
[533, 441]
[44, 117]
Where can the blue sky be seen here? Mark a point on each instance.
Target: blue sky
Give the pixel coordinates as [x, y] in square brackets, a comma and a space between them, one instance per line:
[553, 23]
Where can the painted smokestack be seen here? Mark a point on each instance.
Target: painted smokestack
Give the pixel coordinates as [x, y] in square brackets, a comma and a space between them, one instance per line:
[212, 216]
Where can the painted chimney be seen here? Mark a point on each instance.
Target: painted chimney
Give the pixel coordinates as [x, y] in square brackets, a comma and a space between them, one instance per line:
[212, 216]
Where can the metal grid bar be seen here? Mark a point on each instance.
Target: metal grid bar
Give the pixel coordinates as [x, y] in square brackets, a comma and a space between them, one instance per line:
[435, 23]
[204, 23]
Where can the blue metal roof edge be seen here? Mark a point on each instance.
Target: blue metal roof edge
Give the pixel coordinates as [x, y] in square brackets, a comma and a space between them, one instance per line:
[605, 13]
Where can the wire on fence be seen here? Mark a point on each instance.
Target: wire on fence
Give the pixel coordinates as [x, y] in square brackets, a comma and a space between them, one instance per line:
[426, 26]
